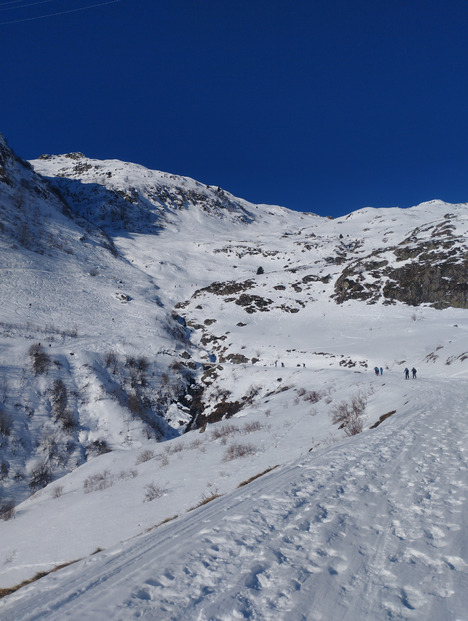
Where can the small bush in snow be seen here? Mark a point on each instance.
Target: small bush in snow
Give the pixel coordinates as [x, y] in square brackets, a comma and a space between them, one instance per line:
[136, 405]
[205, 500]
[234, 451]
[7, 510]
[98, 447]
[313, 396]
[171, 448]
[348, 415]
[59, 395]
[111, 362]
[41, 475]
[97, 482]
[252, 426]
[223, 431]
[57, 491]
[59, 401]
[252, 393]
[146, 455]
[142, 364]
[128, 474]
[196, 444]
[153, 491]
[40, 360]
[68, 421]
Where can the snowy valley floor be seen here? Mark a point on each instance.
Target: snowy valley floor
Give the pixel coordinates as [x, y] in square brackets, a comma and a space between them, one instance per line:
[371, 527]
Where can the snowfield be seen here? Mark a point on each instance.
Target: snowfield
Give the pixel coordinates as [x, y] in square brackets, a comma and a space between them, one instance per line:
[372, 527]
[128, 298]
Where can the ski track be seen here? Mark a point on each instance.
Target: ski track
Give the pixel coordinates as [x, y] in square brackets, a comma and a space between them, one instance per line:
[356, 532]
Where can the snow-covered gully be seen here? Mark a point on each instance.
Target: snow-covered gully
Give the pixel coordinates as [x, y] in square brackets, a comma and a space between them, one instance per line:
[372, 527]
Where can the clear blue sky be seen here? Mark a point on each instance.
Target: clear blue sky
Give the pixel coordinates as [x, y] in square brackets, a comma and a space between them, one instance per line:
[318, 105]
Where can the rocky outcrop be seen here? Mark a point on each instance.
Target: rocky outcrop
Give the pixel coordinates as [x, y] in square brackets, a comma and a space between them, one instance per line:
[429, 267]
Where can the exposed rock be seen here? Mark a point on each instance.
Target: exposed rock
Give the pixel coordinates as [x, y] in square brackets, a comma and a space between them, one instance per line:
[225, 288]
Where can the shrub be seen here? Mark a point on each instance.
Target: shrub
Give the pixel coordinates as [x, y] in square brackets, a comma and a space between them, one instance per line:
[40, 360]
[97, 482]
[41, 475]
[146, 455]
[128, 474]
[171, 448]
[142, 364]
[348, 414]
[153, 492]
[59, 396]
[313, 396]
[130, 362]
[256, 476]
[222, 432]
[252, 426]
[59, 401]
[57, 491]
[97, 447]
[68, 421]
[252, 393]
[136, 405]
[111, 361]
[205, 500]
[235, 451]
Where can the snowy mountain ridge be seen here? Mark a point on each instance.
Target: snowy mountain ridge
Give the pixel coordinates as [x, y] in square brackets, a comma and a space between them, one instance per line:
[165, 342]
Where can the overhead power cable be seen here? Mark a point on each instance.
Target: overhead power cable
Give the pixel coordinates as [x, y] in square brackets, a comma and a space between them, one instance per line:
[23, 6]
[83, 8]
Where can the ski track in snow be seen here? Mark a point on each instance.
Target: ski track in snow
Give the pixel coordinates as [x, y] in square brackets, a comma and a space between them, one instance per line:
[356, 532]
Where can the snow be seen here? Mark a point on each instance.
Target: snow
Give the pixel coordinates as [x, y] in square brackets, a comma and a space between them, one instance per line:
[274, 513]
[369, 527]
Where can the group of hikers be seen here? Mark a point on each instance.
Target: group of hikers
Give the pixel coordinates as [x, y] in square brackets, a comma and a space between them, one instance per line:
[379, 371]
[406, 372]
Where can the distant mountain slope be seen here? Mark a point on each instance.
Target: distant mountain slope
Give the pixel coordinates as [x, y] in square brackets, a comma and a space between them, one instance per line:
[117, 194]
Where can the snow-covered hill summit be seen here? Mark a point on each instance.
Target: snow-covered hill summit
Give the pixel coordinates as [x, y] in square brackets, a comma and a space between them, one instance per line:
[163, 342]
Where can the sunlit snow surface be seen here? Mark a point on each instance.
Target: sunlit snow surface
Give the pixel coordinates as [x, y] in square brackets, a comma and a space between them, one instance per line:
[368, 527]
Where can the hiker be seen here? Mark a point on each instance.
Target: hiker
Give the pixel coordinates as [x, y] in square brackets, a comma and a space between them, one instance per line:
[413, 371]
[376, 369]
[406, 372]
[381, 371]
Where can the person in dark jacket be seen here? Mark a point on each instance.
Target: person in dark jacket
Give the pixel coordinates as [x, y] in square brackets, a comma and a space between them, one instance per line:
[406, 372]
[413, 371]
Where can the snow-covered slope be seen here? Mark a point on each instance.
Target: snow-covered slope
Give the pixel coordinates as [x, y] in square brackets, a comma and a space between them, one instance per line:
[368, 528]
[143, 307]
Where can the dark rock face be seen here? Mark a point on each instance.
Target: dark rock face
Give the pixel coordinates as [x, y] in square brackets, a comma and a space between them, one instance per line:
[225, 288]
[441, 285]
[434, 271]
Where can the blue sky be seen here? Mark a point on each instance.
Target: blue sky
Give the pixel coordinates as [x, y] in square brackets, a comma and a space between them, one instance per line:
[320, 105]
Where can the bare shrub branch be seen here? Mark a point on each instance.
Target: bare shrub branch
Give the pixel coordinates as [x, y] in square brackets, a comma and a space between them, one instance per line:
[97, 482]
[153, 491]
[146, 455]
[234, 451]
